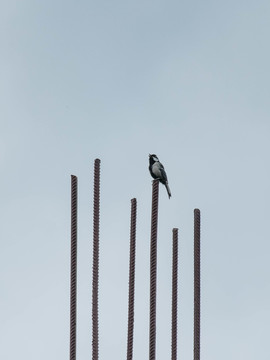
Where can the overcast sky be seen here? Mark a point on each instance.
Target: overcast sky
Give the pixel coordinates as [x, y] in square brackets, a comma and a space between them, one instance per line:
[117, 80]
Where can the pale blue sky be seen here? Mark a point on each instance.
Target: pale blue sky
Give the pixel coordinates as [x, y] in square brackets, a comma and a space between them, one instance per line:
[118, 80]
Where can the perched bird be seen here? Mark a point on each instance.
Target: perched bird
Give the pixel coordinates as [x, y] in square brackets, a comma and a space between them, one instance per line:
[157, 172]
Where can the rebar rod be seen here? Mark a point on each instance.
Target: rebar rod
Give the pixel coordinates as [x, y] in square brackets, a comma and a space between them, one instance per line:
[174, 294]
[73, 268]
[153, 271]
[197, 283]
[131, 278]
[95, 279]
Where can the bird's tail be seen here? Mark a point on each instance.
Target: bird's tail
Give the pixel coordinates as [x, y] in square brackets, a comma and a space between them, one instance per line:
[168, 189]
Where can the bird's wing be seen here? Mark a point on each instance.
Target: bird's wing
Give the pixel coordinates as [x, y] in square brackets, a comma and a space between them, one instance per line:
[163, 173]
[161, 166]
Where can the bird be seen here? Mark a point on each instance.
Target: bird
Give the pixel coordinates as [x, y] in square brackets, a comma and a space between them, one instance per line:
[157, 171]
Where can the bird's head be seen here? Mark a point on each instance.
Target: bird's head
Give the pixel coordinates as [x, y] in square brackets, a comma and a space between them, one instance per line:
[153, 157]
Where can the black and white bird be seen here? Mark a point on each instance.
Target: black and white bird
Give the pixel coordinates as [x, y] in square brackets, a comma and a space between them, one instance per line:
[157, 172]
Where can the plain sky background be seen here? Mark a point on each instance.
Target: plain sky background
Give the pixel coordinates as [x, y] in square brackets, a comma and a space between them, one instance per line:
[117, 80]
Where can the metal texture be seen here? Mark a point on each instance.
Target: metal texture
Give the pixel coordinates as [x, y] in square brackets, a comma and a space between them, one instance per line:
[95, 279]
[73, 267]
[197, 282]
[131, 278]
[174, 293]
[153, 271]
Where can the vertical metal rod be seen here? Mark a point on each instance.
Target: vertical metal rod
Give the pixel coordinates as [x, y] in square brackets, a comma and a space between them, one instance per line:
[73, 267]
[197, 283]
[174, 293]
[131, 278]
[95, 279]
[153, 271]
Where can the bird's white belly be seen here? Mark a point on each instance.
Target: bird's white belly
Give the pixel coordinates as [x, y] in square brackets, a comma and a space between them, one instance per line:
[156, 170]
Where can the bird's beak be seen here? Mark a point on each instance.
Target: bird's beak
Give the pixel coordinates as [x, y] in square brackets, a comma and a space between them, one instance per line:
[149, 155]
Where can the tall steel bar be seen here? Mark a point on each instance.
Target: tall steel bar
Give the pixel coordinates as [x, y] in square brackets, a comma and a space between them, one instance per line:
[73, 268]
[132, 254]
[153, 271]
[197, 282]
[174, 294]
[95, 279]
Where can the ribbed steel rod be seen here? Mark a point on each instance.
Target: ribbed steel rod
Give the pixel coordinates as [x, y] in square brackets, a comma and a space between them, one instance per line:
[73, 268]
[197, 282]
[153, 271]
[95, 279]
[131, 278]
[174, 293]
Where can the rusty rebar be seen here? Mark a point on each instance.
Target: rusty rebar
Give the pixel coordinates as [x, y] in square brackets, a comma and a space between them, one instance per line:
[174, 293]
[153, 271]
[95, 279]
[197, 282]
[73, 268]
[132, 254]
